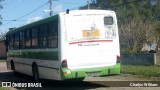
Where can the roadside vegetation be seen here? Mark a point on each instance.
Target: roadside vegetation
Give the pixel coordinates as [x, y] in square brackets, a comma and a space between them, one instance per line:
[2, 88]
[148, 71]
[138, 21]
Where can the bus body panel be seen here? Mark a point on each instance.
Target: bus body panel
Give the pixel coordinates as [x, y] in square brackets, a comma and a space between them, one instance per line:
[48, 69]
[89, 56]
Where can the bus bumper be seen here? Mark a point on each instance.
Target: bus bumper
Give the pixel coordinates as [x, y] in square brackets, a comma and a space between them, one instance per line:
[94, 72]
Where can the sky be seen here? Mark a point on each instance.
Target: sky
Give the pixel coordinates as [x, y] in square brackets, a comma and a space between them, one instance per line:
[26, 11]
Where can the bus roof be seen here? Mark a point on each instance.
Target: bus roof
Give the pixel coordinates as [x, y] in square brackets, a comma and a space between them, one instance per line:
[36, 23]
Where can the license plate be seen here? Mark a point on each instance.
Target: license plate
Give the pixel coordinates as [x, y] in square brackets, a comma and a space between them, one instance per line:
[92, 73]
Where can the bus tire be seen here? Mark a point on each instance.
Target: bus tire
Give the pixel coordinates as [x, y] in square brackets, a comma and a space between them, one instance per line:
[80, 79]
[13, 68]
[35, 72]
[76, 79]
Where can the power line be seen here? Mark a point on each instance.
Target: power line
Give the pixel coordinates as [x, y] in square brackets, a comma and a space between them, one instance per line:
[13, 20]
[17, 19]
[88, 4]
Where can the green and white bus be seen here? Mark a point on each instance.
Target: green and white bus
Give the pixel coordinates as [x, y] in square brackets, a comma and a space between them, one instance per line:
[70, 45]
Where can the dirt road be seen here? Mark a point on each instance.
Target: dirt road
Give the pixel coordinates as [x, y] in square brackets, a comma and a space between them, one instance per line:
[119, 82]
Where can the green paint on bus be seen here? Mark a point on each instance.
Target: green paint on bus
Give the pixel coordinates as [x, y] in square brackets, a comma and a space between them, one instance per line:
[99, 71]
[35, 55]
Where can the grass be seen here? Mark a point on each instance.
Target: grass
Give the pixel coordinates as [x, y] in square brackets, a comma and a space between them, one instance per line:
[2, 88]
[149, 71]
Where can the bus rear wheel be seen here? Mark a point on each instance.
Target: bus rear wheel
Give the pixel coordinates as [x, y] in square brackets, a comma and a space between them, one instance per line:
[80, 79]
[35, 72]
[13, 68]
[76, 79]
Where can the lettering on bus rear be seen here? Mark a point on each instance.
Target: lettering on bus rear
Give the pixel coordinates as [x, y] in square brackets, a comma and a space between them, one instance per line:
[90, 27]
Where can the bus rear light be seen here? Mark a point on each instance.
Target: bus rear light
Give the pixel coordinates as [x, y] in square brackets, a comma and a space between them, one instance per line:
[65, 72]
[118, 59]
[64, 64]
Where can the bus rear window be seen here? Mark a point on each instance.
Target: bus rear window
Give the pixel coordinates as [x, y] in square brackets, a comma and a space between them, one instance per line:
[108, 20]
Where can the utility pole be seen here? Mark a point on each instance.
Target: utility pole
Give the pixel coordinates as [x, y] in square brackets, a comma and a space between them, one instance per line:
[50, 1]
[88, 4]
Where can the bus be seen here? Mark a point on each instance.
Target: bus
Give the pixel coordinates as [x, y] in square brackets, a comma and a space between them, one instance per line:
[69, 45]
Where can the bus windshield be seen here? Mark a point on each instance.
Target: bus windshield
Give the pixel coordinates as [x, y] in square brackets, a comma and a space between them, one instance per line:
[89, 26]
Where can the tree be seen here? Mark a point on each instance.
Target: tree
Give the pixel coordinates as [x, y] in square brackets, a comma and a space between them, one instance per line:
[92, 5]
[2, 35]
[1, 5]
[1, 8]
[138, 21]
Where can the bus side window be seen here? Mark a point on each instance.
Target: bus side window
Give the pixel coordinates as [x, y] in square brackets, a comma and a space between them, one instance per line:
[28, 39]
[7, 43]
[13, 36]
[16, 41]
[22, 40]
[53, 35]
[34, 38]
[42, 36]
[11, 42]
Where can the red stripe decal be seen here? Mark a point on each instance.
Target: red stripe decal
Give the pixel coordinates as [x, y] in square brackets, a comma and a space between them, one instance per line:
[91, 41]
